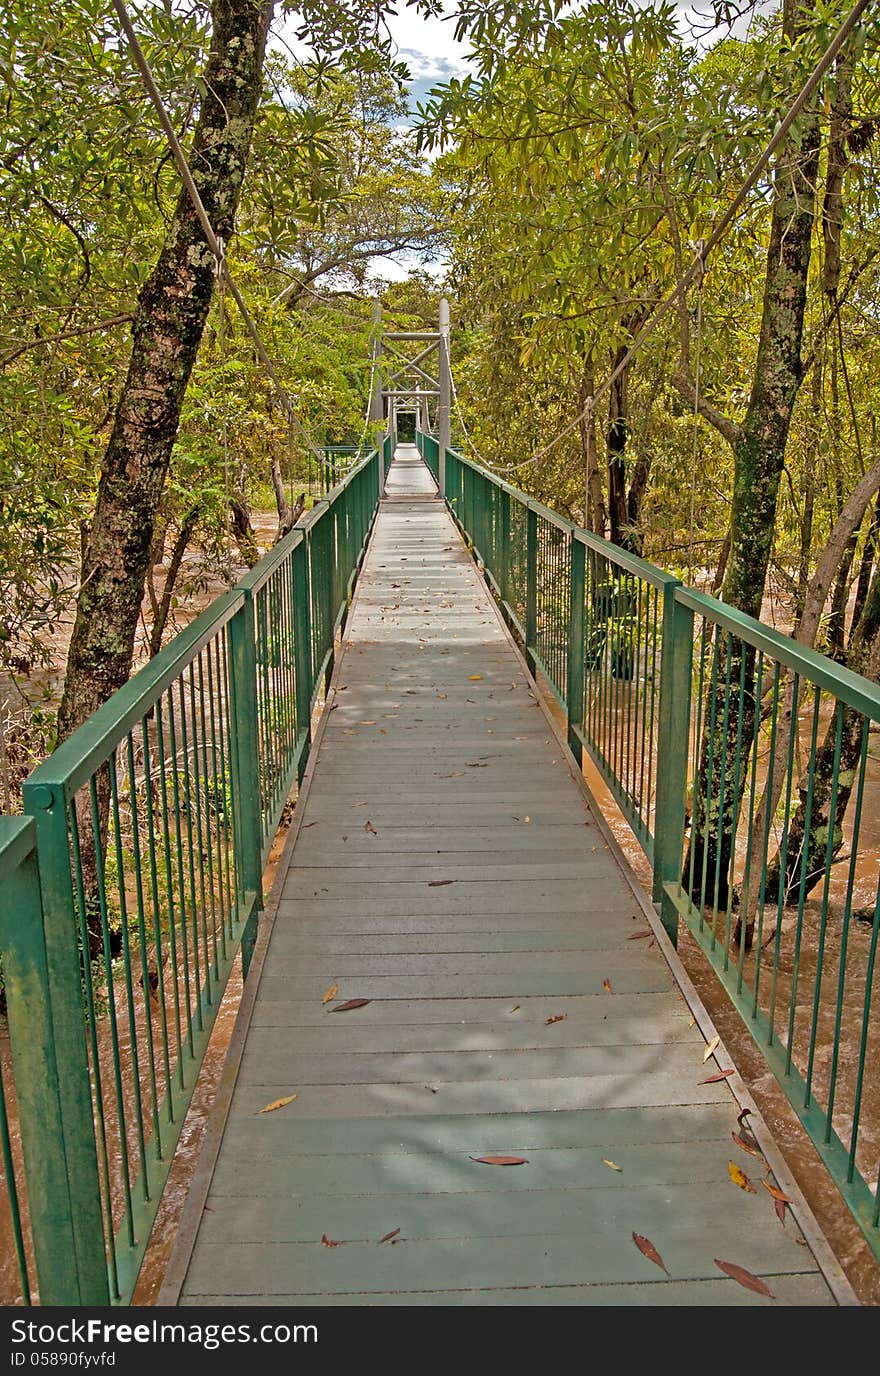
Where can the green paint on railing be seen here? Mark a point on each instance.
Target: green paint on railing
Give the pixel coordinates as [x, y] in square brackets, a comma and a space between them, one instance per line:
[137, 882]
[676, 695]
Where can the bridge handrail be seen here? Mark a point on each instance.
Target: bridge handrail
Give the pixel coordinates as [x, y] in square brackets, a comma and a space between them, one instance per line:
[135, 880]
[684, 703]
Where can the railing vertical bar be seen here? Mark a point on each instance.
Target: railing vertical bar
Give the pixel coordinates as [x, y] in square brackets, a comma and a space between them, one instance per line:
[765, 840]
[126, 970]
[181, 881]
[100, 876]
[753, 784]
[157, 918]
[783, 857]
[142, 938]
[802, 888]
[209, 767]
[823, 920]
[201, 778]
[844, 933]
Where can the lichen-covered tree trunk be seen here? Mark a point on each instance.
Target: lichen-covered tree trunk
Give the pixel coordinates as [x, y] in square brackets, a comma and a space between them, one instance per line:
[759, 453]
[807, 845]
[167, 330]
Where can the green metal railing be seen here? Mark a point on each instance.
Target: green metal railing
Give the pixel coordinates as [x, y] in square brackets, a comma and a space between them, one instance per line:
[140, 878]
[762, 835]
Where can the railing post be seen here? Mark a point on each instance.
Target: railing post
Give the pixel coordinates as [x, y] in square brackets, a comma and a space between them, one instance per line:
[302, 650]
[45, 947]
[504, 562]
[245, 758]
[531, 626]
[676, 664]
[574, 697]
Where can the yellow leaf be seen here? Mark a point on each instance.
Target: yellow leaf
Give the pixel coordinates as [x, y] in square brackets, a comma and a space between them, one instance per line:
[334, 988]
[713, 1046]
[740, 1178]
[278, 1103]
[612, 1165]
[474, 677]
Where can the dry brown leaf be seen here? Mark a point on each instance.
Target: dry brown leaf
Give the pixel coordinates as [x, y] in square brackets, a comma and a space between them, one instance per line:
[637, 936]
[648, 1250]
[389, 1237]
[501, 1160]
[606, 985]
[713, 1046]
[713, 1079]
[740, 1178]
[368, 826]
[349, 1004]
[748, 1144]
[744, 1277]
[329, 1242]
[330, 993]
[777, 1194]
[612, 1165]
[515, 1008]
[439, 883]
[780, 1208]
[557, 1017]
[278, 1103]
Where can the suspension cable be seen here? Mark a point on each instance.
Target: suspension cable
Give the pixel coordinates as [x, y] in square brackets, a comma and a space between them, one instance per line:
[697, 267]
[214, 241]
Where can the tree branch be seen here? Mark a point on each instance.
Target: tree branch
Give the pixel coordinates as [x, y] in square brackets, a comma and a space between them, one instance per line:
[730, 429]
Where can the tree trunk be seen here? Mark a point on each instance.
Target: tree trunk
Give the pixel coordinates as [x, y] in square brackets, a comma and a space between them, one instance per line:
[616, 445]
[807, 850]
[759, 453]
[163, 606]
[595, 516]
[167, 329]
[637, 488]
[243, 529]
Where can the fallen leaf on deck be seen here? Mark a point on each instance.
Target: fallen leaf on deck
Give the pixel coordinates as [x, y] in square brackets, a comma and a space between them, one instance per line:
[527, 820]
[515, 1008]
[648, 1250]
[474, 677]
[442, 695]
[713, 1046]
[743, 1277]
[476, 765]
[366, 723]
[557, 1017]
[713, 1079]
[439, 883]
[748, 1144]
[777, 1194]
[779, 1209]
[388, 1236]
[329, 1242]
[278, 1103]
[612, 1165]
[606, 985]
[331, 993]
[746, 1113]
[740, 1178]
[368, 826]
[501, 1160]
[637, 936]
[349, 1004]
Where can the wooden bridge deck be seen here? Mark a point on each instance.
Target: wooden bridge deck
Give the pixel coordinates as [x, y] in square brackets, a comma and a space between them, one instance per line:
[448, 869]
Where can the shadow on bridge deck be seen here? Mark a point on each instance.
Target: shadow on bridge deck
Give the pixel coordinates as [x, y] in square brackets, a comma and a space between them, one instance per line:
[447, 868]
